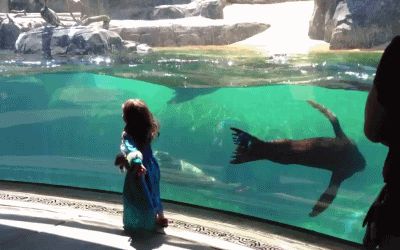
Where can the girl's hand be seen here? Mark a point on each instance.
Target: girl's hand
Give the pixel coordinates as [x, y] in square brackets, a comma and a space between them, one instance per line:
[141, 170]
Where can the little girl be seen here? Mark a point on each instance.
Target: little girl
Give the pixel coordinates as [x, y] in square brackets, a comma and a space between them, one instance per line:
[141, 194]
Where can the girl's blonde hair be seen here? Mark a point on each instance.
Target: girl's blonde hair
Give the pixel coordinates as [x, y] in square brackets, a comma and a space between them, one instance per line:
[140, 123]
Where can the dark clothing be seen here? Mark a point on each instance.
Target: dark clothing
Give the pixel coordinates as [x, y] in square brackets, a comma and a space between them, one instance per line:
[383, 217]
[386, 79]
[391, 169]
[387, 74]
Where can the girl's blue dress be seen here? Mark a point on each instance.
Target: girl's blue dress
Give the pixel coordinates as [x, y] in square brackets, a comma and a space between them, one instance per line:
[141, 194]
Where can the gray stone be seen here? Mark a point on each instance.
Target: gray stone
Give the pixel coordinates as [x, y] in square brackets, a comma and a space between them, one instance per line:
[129, 9]
[167, 12]
[212, 9]
[348, 24]
[261, 1]
[191, 38]
[130, 46]
[4, 6]
[143, 48]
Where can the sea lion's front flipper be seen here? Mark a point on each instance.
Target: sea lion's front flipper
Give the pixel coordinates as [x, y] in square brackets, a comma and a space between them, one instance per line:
[247, 147]
[327, 197]
[331, 117]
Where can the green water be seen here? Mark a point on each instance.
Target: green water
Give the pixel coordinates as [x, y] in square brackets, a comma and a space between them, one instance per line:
[64, 128]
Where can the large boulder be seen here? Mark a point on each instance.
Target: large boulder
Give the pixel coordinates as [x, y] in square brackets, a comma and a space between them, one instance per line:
[79, 40]
[9, 32]
[348, 24]
[186, 31]
[129, 9]
[11, 28]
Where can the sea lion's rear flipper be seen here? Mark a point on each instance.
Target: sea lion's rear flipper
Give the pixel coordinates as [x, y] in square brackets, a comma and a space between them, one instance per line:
[247, 146]
[331, 117]
[327, 197]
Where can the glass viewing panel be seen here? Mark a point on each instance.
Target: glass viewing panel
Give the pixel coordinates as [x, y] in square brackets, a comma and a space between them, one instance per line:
[60, 123]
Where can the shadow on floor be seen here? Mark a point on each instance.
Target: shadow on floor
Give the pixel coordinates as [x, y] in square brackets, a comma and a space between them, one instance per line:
[19, 238]
[13, 238]
[149, 241]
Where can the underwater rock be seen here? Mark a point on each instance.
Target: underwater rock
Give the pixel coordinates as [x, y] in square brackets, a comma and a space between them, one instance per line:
[78, 40]
[348, 24]
[179, 172]
[188, 172]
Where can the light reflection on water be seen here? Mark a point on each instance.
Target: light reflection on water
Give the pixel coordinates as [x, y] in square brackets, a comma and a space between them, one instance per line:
[352, 70]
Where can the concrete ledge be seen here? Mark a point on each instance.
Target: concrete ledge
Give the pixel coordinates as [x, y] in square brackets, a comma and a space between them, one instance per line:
[93, 219]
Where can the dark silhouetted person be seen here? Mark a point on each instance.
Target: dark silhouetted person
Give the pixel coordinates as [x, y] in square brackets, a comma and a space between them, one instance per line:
[382, 126]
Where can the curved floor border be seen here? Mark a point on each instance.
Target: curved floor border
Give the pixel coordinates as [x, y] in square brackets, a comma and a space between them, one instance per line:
[239, 231]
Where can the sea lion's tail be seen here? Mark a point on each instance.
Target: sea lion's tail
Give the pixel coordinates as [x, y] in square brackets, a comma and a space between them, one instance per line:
[246, 146]
[331, 117]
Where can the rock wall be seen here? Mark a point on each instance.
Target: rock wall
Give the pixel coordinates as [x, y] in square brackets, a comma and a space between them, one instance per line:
[348, 24]
[153, 10]
[3, 6]
[168, 32]
[188, 31]
[86, 6]
[34, 5]
[129, 9]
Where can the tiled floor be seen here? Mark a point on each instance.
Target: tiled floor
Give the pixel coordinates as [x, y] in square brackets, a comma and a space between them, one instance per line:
[46, 217]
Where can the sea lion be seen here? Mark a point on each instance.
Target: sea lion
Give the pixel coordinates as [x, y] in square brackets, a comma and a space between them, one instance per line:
[49, 15]
[339, 155]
